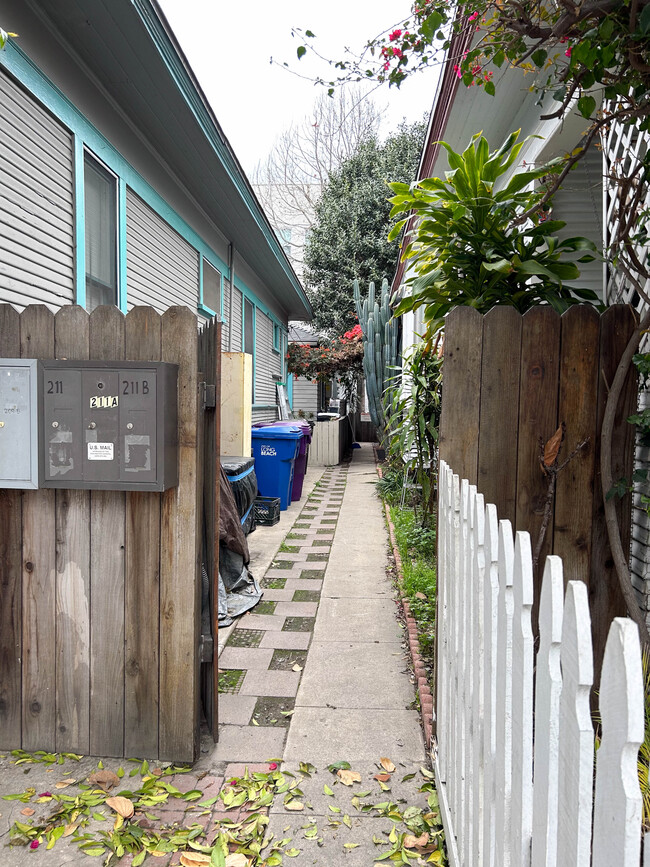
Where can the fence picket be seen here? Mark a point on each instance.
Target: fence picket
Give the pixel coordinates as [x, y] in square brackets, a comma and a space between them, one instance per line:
[454, 546]
[475, 739]
[522, 702]
[576, 745]
[462, 665]
[548, 686]
[490, 690]
[503, 778]
[618, 805]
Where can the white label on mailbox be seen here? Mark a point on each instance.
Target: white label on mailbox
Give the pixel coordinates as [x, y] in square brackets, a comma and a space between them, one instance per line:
[268, 450]
[100, 451]
[104, 401]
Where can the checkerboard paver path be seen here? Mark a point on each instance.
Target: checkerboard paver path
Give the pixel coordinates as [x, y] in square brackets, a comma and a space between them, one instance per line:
[269, 644]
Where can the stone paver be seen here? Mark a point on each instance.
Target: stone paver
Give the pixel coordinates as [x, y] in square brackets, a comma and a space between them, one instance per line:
[280, 683]
[245, 657]
[236, 709]
[286, 640]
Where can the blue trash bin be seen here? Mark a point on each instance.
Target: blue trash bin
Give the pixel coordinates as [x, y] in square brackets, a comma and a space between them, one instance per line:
[274, 450]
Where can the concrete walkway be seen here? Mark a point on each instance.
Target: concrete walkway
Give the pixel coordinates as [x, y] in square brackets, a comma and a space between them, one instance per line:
[318, 673]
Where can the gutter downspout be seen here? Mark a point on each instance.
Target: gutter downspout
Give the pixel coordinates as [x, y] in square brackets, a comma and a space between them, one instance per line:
[231, 271]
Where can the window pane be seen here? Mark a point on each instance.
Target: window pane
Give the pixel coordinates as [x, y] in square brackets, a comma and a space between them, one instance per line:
[100, 198]
[249, 332]
[211, 287]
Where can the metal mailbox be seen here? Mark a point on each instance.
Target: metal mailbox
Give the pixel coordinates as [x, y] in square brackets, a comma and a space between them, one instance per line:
[18, 423]
[109, 425]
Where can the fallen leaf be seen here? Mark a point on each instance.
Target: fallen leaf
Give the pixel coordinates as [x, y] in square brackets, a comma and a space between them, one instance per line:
[294, 806]
[338, 766]
[106, 780]
[193, 859]
[382, 778]
[291, 853]
[28, 811]
[348, 777]
[237, 859]
[419, 595]
[346, 821]
[351, 845]
[411, 842]
[122, 806]
[70, 828]
[296, 667]
[552, 447]
[387, 765]
[327, 790]
[62, 784]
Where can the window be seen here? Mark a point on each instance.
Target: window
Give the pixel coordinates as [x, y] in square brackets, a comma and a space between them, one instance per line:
[211, 287]
[276, 338]
[249, 335]
[100, 204]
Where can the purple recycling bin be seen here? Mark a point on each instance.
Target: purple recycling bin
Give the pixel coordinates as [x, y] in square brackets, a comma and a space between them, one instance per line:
[300, 464]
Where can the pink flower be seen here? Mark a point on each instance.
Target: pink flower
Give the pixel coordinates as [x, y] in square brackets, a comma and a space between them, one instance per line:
[273, 766]
[472, 17]
[395, 35]
[387, 65]
[457, 70]
[34, 844]
[397, 52]
[45, 795]
[567, 53]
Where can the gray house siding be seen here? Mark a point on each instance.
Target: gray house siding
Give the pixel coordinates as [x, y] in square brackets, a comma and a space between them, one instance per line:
[162, 269]
[305, 396]
[36, 204]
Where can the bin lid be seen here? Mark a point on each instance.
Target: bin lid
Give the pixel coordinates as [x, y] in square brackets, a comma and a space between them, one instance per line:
[279, 433]
[292, 423]
[236, 465]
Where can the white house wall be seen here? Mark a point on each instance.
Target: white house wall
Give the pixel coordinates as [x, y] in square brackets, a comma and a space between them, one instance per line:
[36, 203]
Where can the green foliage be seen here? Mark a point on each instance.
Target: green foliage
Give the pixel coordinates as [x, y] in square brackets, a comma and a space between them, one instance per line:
[468, 249]
[349, 238]
[414, 417]
[380, 339]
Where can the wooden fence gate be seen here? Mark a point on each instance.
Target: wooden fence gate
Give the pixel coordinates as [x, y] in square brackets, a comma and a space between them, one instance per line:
[511, 380]
[100, 591]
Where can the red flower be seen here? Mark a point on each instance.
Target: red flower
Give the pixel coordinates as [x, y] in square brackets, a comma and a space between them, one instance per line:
[395, 35]
[273, 766]
[472, 17]
[567, 53]
[34, 844]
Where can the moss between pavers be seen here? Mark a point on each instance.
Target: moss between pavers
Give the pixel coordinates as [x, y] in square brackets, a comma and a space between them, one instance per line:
[328, 521]
[273, 583]
[269, 711]
[288, 549]
[299, 624]
[265, 607]
[245, 638]
[306, 596]
[317, 558]
[321, 532]
[231, 679]
[311, 573]
[282, 564]
[302, 526]
[284, 660]
[296, 536]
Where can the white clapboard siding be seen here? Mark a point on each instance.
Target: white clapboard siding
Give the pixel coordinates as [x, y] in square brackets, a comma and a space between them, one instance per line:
[236, 321]
[36, 205]
[507, 798]
[162, 269]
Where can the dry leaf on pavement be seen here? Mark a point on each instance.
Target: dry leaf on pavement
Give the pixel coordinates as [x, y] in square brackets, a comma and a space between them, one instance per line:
[387, 765]
[28, 811]
[105, 779]
[294, 806]
[194, 859]
[122, 806]
[348, 777]
[63, 784]
[382, 778]
[237, 859]
[411, 842]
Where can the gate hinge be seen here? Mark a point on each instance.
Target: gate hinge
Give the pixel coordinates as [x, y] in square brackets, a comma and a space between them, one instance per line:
[206, 648]
[208, 395]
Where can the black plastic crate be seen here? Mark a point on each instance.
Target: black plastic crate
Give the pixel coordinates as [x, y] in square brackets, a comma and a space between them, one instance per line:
[267, 510]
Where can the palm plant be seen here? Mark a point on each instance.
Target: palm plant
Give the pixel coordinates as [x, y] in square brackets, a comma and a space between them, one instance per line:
[470, 245]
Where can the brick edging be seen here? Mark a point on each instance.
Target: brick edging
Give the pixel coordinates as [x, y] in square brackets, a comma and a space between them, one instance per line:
[422, 684]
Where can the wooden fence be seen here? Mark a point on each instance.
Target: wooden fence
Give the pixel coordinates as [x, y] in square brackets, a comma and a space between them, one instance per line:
[515, 740]
[511, 380]
[100, 590]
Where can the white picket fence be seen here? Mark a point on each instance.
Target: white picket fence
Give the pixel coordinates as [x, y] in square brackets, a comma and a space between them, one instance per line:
[516, 782]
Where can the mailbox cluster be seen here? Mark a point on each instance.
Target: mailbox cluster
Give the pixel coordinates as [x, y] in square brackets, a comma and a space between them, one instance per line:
[88, 424]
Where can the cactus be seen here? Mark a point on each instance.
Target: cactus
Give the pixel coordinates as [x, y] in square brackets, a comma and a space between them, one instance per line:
[380, 343]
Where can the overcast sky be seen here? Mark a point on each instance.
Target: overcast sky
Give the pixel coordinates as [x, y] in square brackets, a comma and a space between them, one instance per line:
[229, 46]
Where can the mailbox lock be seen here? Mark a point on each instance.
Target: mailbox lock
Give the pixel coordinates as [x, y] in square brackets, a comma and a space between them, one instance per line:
[55, 424]
[92, 425]
[128, 427]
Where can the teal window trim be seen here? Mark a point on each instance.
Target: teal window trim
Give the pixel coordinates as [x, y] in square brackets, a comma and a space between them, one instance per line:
[204, 308]
[290, 389]
[79, 224]
[276, 338]
[121, 246]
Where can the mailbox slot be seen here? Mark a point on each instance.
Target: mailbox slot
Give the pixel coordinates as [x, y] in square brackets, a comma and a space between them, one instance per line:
[109, 425]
